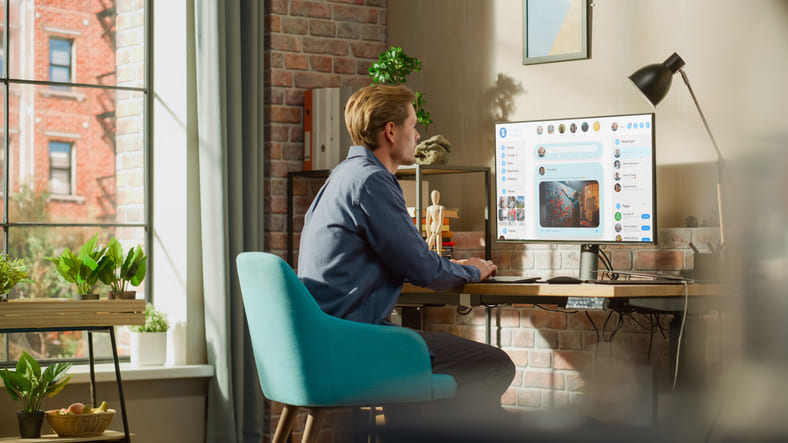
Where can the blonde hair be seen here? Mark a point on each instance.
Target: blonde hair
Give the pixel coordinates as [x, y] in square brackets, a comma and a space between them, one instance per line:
[371, 107]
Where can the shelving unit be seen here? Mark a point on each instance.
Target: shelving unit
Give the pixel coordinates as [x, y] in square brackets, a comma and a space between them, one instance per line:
[417, 173]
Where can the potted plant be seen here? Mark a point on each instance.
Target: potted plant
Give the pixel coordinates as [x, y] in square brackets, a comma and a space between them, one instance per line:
[29, 385]
[118, 271]
[149, 341]
[392, 68]
[12, 272]
[82, 269]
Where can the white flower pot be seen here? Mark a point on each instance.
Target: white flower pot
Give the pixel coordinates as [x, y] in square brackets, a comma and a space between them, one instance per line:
[148, 348]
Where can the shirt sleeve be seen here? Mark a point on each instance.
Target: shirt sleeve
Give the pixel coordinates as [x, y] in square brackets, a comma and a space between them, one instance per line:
[392, 235]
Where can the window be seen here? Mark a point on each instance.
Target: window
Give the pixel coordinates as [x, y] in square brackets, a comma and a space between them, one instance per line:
[60, 168]
[60, 60]
[78, 165]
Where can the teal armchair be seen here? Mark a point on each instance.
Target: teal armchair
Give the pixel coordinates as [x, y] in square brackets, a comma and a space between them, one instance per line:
[307, 358]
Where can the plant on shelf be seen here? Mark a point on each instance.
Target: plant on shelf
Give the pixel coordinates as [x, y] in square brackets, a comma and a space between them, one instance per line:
[12, 272]
[149, 340]
[118, 271]
[29, 386]
[392, 68]
[82, 269]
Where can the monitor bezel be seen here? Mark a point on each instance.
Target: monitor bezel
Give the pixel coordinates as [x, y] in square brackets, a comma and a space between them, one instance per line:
[654, 237]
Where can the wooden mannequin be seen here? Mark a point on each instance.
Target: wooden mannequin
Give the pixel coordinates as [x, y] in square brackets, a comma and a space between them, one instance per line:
[434, 223]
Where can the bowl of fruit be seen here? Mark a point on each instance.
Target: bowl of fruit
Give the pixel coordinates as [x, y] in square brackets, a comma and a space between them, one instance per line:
[79, 420]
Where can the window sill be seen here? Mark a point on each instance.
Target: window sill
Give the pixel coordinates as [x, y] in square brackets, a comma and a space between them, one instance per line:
[105, 372]
[67, 198]
[63, 93]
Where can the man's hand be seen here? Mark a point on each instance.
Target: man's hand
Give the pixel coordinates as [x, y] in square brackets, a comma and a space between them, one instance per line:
[486, 267]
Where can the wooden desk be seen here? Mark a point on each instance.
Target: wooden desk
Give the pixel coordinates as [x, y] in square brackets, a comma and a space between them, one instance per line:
[35, 315]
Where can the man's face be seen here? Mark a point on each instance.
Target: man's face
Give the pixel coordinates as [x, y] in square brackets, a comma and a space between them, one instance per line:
[406, 136]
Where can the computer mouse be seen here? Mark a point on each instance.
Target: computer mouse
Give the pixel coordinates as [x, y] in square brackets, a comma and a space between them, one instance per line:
[564, 279]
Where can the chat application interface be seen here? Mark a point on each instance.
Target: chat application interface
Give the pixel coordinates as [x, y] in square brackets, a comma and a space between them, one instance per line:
[584, 179]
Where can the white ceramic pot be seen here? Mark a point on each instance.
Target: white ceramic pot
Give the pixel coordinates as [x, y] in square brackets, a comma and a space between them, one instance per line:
[148, 348]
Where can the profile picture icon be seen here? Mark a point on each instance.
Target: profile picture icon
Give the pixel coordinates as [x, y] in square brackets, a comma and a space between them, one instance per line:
[614, 126]
[539, 129]
[617, 164]
[596, 126]
[550, 129]
[617, 187]
[541, 151]
[573, 128]
[617, 176]
[618, 238]
[541, 170]
[617, 153]
[561, 128]
[618, 227]
[584, 127]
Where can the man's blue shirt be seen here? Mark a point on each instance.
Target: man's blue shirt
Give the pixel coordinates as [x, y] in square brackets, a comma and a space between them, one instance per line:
[359, 244]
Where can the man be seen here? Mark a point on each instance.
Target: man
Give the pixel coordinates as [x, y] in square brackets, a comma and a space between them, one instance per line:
[359, 244]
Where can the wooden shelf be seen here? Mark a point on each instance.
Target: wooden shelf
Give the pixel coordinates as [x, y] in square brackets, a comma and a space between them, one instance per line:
[63, 313]
[106, 436]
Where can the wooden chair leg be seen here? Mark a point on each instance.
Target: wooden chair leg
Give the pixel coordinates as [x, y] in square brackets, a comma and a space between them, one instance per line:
[314, 421]
[286, 421]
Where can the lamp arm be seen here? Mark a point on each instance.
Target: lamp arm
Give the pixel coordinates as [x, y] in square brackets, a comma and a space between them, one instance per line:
[702, 117]
[716, 148]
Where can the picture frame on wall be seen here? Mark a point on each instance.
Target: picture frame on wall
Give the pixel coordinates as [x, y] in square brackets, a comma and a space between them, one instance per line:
[555, 31]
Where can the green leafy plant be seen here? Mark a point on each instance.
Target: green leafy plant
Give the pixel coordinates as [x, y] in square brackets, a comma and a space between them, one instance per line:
[82, 269]
[12, 272]
[155, 321]
[393, 68]
[29, 385]
[117, 271]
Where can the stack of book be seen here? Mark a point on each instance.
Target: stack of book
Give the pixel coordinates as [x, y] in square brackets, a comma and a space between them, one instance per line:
[447, 248]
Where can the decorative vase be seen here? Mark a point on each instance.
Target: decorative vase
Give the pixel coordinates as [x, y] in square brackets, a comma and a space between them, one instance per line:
[30, 423]
[122, 295]
[148, 348]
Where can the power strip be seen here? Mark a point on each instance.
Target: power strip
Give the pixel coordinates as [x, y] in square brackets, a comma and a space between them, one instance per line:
[586, 303]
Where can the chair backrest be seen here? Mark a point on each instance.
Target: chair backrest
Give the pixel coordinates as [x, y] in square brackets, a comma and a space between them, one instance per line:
[287, 328]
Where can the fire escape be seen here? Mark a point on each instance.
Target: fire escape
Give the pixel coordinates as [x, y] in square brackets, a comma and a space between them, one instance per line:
[106, 101]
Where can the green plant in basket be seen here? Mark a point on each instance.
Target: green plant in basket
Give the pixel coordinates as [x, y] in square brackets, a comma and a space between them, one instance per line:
[392, 68]
[155, 321]
[12, 272]
[29, 385]
[118, 271]
[84, 267]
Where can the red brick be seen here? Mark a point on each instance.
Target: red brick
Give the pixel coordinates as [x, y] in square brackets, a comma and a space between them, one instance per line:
[294, 97]
[510, 318]
[380, 3]
[293, 151]
[540, 359]
[274, 96]
[575, 360]
[522, 261]
[285, 114]
[373, 33]
[520, 358]
[273, 151]
[296, 61]
[344, 65]
[355, 2]
[355, 14]
[320, 45]
[322, 28]
[320, 63]
[531, 398]
[621, 260]
[523, 338]
[543, 379]
[281, 78]
[274, 23]
[574, 381]
[279, 6]
[544, 339]
[277, 60]
[348, 30]
[659, 260]
[570, 340]
[509, 397]
[310, 9]
[311, 80]
[278, 132]
[285, 43]
[297, 134]
[679, 238]
[502, 259]
[294, 25]
[367, 50]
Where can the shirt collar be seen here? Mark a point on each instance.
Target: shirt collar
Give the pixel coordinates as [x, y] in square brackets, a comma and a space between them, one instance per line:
[363, 151]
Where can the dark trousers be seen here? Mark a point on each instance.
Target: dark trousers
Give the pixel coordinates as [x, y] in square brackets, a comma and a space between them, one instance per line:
[482, 372]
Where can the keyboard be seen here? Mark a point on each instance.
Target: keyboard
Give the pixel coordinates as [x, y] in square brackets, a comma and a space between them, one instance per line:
[511, 279]
[659, 281]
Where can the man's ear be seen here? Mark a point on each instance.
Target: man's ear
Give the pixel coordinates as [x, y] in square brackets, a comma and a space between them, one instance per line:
[389, 130]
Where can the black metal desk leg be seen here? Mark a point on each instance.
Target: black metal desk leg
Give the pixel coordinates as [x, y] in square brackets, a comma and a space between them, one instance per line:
[120, 384]
[92, 371]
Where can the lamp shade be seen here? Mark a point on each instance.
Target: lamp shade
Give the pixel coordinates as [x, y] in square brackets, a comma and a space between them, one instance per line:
[654, 80]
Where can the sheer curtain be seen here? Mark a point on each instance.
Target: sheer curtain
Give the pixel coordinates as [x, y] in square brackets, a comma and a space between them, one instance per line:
[228, 36]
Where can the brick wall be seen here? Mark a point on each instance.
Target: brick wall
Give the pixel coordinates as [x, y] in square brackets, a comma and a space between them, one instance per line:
[309, 44]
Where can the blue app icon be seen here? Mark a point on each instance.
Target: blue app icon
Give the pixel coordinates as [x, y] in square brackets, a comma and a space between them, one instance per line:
[502, 132]
[648, 124]
[645, 228]
[503, 155]
[503, 147]
[641, 124]
[618, 205]
[629, 125]
[503, 163]
[504, 230]
[503, 170]
[503, 179]
[618, 142]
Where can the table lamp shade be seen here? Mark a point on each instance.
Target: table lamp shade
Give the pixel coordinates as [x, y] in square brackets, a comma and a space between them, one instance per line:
[654, 80]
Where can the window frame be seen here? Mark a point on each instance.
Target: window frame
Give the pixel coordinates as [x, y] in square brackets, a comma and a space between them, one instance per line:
[71, 167]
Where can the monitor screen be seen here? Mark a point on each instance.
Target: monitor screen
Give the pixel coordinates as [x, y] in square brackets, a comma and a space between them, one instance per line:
[578, 180]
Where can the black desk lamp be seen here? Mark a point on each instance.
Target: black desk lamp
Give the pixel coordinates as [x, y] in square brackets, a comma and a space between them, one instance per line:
[654, 82]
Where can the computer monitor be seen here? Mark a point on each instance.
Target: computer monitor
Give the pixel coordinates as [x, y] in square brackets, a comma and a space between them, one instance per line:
[587, 180]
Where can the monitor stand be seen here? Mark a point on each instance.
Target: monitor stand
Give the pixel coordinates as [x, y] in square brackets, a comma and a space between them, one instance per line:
[589, 262]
